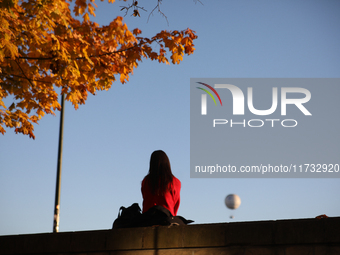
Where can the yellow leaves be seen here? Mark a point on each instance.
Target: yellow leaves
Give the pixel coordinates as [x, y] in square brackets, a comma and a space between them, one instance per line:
[8, 49]
[86, 17]
[34, 119]
[44, 49]
[122, 78]
[18, 120]
[77, 95]
[85, 55]
[2, 104]
[124, 74]
[2, 130]
[91, 9]
[176, 58]
[129, 36]
[56, 105]
[79, 7]
[177, 43]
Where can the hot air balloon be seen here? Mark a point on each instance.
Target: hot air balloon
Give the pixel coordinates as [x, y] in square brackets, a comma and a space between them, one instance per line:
[232, 201]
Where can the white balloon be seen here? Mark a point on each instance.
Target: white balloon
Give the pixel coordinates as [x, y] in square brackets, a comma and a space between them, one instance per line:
[232, 201]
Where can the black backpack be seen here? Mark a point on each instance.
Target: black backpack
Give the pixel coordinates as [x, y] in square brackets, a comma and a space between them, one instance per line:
[128, 216]
[156, 216]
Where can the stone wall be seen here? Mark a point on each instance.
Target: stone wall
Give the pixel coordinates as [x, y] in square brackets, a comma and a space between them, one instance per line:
[302, 236]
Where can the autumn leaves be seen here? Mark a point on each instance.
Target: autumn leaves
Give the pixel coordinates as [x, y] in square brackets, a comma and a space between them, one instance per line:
[43, 47]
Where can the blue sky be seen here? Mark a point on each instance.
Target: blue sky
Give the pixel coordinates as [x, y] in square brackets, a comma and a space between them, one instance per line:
[108, 141]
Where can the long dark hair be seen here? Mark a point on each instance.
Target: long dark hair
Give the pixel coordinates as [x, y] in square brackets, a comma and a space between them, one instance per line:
[160, 176]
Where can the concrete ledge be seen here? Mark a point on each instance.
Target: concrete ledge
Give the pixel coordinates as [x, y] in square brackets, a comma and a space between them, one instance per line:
[302, 236]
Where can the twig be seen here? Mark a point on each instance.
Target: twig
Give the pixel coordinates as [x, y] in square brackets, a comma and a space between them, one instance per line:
[135, 7]
[159, 10]
[8, 76]
[24, 73]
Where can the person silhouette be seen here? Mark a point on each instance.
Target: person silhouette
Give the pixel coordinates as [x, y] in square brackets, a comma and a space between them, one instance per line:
[160, 187]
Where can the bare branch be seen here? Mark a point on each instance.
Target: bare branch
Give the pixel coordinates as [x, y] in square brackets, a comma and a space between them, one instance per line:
[135, 7]
[157, 7]
[198, 1]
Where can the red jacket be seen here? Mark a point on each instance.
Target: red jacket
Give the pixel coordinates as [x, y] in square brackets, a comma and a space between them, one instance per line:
[170, 200]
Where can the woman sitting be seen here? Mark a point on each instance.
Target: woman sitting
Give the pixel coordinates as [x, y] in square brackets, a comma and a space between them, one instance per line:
[160, 186]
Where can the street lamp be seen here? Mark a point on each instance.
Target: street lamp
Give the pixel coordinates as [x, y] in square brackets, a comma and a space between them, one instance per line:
[60, 152]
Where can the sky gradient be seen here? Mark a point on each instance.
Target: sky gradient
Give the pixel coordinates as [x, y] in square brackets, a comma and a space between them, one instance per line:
[108, 141]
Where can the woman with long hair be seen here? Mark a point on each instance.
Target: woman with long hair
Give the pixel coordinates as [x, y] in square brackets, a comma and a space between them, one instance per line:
[160, 186]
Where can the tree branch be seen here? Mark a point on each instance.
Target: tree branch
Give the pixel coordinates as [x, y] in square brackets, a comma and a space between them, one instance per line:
[18, 76]
[78, 58]
[135, 7]
[159, 10]
[24, 74]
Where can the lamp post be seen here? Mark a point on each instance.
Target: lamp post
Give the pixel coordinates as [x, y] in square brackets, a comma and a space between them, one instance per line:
[60, 152]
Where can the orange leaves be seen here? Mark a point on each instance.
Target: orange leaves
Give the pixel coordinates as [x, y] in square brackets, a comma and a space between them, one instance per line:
[188, 41]
[91, 9]
[19, 121]
[79, 7]
[77, 95]
[123, 77]
[177, 43]
[7, 35]
[44, 49]
[82, 7]
[86, 17]
[137, 31]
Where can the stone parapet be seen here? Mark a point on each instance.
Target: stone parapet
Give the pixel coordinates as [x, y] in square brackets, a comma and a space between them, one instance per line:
[301, 236]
